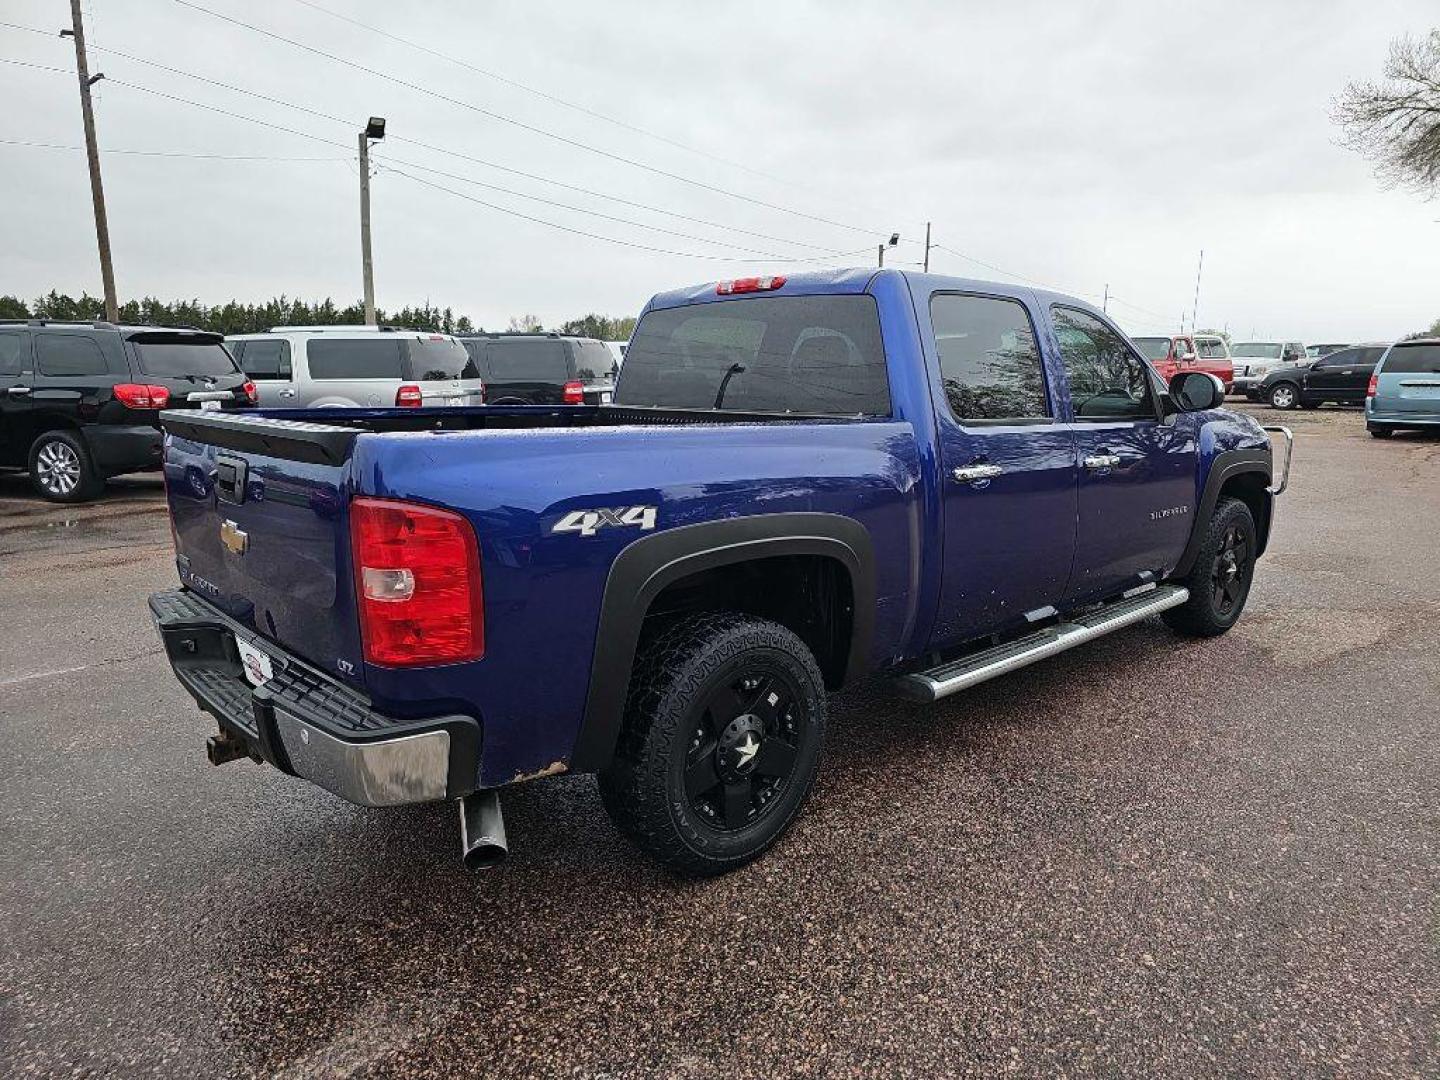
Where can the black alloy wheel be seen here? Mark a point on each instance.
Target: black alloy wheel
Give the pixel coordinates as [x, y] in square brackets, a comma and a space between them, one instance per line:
[743, 750]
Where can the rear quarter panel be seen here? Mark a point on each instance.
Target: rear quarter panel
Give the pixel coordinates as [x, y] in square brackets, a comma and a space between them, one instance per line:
[543, 589]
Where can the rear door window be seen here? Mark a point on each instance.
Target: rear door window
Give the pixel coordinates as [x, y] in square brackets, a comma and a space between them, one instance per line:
[1413, 360]
[69, 355]
[266, 361]
[989, 362]
[377, 358]
[819, 355]
[14, 352]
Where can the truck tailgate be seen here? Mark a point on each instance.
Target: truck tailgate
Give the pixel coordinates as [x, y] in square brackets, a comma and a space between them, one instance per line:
[264, 536]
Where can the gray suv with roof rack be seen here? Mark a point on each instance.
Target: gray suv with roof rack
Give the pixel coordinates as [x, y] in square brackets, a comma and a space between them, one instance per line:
[80, 401]
[311, 367]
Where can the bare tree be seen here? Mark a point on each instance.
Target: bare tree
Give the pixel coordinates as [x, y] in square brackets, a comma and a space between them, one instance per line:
[1396, 123]
[526, 324]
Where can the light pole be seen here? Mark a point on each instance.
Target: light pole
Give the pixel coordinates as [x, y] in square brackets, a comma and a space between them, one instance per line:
[374, 132]
[894, 239]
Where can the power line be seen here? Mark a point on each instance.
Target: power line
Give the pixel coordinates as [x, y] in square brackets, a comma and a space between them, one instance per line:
[166, 153]
[554, 99]
[284, 103]
[532, 128]
[597, 236]
[458, 194]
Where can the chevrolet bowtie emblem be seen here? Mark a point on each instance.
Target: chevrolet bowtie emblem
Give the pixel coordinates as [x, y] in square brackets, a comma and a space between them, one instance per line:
[234, 538]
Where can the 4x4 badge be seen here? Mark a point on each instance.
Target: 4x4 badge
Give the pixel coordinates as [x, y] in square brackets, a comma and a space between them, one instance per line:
[588, 522]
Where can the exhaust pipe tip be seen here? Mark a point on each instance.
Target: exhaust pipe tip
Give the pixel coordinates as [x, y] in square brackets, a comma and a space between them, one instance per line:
[482, 831]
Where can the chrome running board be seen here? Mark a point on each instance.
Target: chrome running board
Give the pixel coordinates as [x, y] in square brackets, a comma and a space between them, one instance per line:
[990, 663]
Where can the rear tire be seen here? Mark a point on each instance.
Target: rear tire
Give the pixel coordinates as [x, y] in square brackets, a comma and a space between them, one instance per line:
[719, 744]
[61, 468]
[1379, 431]
[1219, 582]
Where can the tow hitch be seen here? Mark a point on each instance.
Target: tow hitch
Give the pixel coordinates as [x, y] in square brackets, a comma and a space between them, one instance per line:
[225, 747]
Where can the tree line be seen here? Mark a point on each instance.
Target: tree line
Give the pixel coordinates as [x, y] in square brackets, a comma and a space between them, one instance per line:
[237, 318]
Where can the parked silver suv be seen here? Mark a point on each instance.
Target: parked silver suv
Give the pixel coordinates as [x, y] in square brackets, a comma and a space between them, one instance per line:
[367, 366]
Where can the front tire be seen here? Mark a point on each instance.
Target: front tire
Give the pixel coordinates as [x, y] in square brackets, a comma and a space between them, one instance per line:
[720, 742]
[1219, 582]
[61, 469]
[1284, 395]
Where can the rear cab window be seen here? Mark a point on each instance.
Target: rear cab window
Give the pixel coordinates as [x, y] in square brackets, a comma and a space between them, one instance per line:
[815, 355]
[593, 361]
[1153, 348]
[180, 356]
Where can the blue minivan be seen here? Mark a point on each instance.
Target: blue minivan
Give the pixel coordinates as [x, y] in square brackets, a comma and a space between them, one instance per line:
[1405, 389]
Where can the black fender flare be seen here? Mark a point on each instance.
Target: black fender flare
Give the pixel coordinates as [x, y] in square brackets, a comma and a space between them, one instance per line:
[643, 569]
[1227, 465]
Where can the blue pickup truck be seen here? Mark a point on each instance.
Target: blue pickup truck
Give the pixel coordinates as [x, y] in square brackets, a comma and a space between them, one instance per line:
[801, 482]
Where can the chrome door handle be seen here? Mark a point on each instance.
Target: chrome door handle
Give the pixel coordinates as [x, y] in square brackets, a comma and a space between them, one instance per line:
[19, 391]
[1102, 461]
[969, 474]
[287, 393]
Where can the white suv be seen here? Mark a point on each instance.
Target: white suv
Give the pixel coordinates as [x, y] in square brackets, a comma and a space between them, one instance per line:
[369, 367]
[1254, 360]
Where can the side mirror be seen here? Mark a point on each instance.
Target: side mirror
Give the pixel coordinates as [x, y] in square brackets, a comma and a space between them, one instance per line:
[1196, 391]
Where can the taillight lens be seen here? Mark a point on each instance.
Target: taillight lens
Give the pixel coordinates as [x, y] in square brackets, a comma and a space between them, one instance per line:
[574, 393]
[1374, 387]
[417, 584]
[409, 396]
[251, 392]
[140, 396]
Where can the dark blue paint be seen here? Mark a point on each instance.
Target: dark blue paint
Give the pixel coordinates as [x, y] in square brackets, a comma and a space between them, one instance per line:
[953, 561]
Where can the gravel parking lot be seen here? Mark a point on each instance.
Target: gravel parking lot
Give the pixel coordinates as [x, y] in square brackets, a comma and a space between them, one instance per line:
[1145, 857]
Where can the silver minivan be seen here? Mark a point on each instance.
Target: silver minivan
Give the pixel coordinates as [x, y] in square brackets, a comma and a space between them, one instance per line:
[297, 367]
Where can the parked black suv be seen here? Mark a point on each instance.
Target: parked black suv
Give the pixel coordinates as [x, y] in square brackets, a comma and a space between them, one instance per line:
[543, 369]
[1342, 377]
[80, 401]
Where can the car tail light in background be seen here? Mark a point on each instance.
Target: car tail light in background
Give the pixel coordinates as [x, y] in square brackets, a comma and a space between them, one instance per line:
[749, 284]
[252, 394]
[409, 396]
[140, 396]
[417, 584]
[574, 393]
[1374, 387]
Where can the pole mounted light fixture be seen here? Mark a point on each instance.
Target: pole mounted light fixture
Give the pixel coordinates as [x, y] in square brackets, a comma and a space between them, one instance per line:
[375, 129]
[892, 242]
[374, 132]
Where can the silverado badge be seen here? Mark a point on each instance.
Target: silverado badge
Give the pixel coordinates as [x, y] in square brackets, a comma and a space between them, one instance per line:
[234, 539]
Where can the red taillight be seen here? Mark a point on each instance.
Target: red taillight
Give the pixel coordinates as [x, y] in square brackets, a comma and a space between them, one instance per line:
[417, 584]
[252, 394]
[140, 396]
[1374, 387]
[409, 396]
[574, 393]
[749, 284]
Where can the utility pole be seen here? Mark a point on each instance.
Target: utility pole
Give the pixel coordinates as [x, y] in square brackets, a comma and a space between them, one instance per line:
[1195, 311]
[881, 249]
[1105, 303]
[894, 239]
[92, 151]
[927, 247]
[375, 129]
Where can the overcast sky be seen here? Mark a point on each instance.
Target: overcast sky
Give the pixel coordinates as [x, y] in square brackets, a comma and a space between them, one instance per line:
[1075, 145]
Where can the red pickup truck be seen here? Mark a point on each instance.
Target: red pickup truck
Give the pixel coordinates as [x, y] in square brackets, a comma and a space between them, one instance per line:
[1169, 356]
